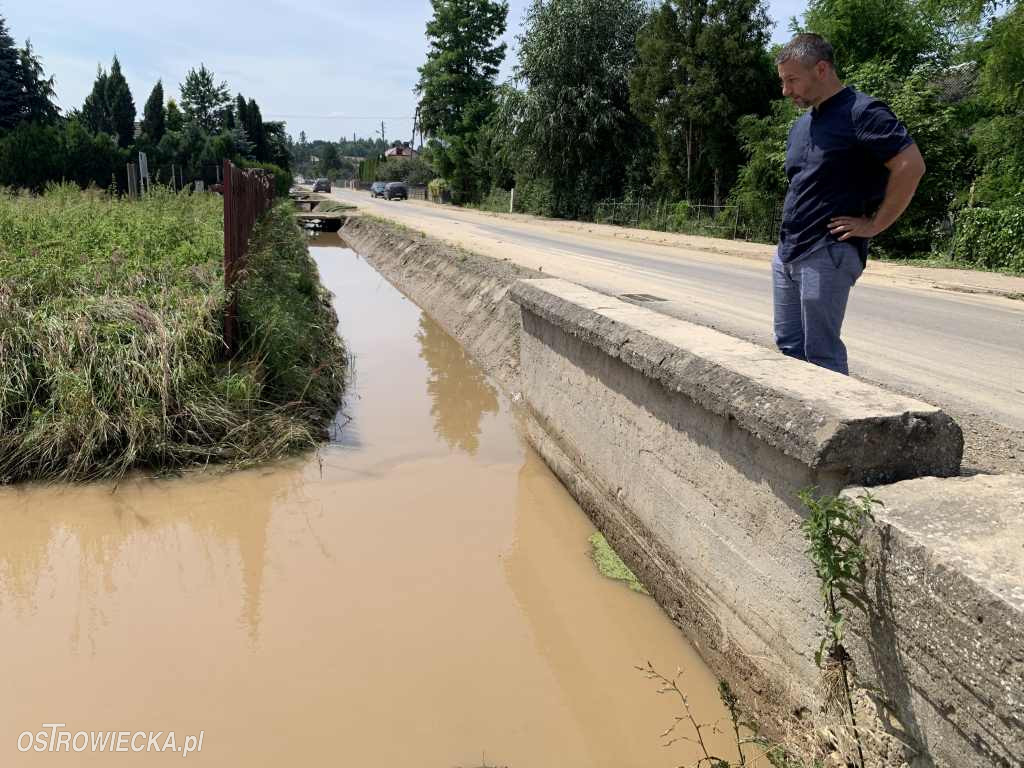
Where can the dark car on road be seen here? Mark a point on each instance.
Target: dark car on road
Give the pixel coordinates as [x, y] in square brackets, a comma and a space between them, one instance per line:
[377, 189]
[396, 190]
[322, 185]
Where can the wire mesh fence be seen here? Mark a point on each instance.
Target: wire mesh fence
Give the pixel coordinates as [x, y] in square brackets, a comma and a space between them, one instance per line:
[757, 220]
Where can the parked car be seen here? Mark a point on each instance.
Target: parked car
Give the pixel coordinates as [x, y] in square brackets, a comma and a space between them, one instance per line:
[396, 190]
[322, 185]
[377, 189]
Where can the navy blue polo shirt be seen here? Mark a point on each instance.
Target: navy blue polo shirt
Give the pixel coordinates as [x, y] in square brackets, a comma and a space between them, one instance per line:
[835, 161]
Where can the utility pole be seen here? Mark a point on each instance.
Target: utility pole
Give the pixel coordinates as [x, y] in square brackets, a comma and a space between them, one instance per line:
[415, 121]
[382, 138]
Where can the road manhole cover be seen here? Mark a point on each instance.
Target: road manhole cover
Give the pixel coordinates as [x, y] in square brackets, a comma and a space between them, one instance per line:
[640, 297]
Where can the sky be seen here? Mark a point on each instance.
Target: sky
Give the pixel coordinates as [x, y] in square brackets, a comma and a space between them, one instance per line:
[331, 69]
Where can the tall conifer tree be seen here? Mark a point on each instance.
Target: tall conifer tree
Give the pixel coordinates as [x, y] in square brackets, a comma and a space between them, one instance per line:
[121, 106]
[457, 83]
[154, 119]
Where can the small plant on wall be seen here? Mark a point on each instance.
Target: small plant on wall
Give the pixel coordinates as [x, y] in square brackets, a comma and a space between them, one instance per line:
[834, 530]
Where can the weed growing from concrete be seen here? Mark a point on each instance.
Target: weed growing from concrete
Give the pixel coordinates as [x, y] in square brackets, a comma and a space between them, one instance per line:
[751, 749]
[834, 530]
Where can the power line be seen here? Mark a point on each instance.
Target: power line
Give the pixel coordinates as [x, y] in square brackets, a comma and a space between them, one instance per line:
[340, 117]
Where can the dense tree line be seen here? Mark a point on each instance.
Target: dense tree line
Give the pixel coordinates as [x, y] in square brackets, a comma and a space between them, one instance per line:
[680, 101]
[92, 145]
[337, 160]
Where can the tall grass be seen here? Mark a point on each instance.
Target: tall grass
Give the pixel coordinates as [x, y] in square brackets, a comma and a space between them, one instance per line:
[110, 339]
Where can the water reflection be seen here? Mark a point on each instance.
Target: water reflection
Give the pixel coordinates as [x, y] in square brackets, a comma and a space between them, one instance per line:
[460, 395]
[88, 538]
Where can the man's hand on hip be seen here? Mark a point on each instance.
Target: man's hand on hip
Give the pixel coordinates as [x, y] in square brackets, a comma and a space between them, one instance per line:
[846, 227]
[905, 171]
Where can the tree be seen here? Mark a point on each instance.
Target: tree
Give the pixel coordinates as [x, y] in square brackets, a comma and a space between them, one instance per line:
[1002, 74]
[120, 105]
[412, 170]
[187, 149]
[277, 143]
[900, 31]
[254, 128]
[998, 136]
[573, 122]
[154, 119]
[456, 85]
[175, 118]
[701, 65]
[231, 144]
[202, 100]
[11, 95]
[494, 159]
[109, 108]
[37, 88]
[242, 111]
[762, 181]
[95, 112]
[25, 92]
[330, 160]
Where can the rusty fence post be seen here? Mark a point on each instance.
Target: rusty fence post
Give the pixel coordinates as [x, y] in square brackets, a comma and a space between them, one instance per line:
[230, 258]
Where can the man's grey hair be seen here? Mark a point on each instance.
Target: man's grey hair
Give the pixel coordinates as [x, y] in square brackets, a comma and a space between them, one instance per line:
[808, 49]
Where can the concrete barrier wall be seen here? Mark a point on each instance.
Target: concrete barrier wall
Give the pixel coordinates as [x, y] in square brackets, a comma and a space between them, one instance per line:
[687, 448]
[945, 619]
[690, 447]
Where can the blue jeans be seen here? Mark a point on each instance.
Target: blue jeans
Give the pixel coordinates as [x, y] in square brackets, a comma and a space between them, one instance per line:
[810, 295]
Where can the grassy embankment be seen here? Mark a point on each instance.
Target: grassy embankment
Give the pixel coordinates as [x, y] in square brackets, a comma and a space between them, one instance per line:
[110, 338]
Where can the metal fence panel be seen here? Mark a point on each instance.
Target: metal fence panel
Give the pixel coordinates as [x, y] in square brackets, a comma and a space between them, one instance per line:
[247, 196]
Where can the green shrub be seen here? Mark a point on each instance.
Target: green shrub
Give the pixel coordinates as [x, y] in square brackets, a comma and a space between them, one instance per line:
[438, 190]
[497, 200]
[679, 216]
[990, 238]
[282, 179]
[535, 196]
[31, 155]
[411, 170]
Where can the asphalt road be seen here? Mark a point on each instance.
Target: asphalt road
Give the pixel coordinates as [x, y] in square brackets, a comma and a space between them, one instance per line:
[963, 352]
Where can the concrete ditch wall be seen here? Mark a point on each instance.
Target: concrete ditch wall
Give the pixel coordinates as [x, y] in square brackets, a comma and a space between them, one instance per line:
[467, 294]
[687, 447]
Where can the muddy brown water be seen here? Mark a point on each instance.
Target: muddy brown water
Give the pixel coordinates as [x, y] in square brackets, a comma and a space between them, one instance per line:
[418, 594]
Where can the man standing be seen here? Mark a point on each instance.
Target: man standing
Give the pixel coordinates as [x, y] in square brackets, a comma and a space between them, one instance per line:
[852, 169]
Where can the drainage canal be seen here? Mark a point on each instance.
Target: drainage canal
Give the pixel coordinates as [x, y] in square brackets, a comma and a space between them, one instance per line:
[420, 593]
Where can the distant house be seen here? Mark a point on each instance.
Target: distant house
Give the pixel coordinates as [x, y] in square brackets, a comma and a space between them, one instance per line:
[400, 150]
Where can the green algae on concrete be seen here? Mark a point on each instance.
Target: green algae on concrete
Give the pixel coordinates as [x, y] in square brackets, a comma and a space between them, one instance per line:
[611, 565]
